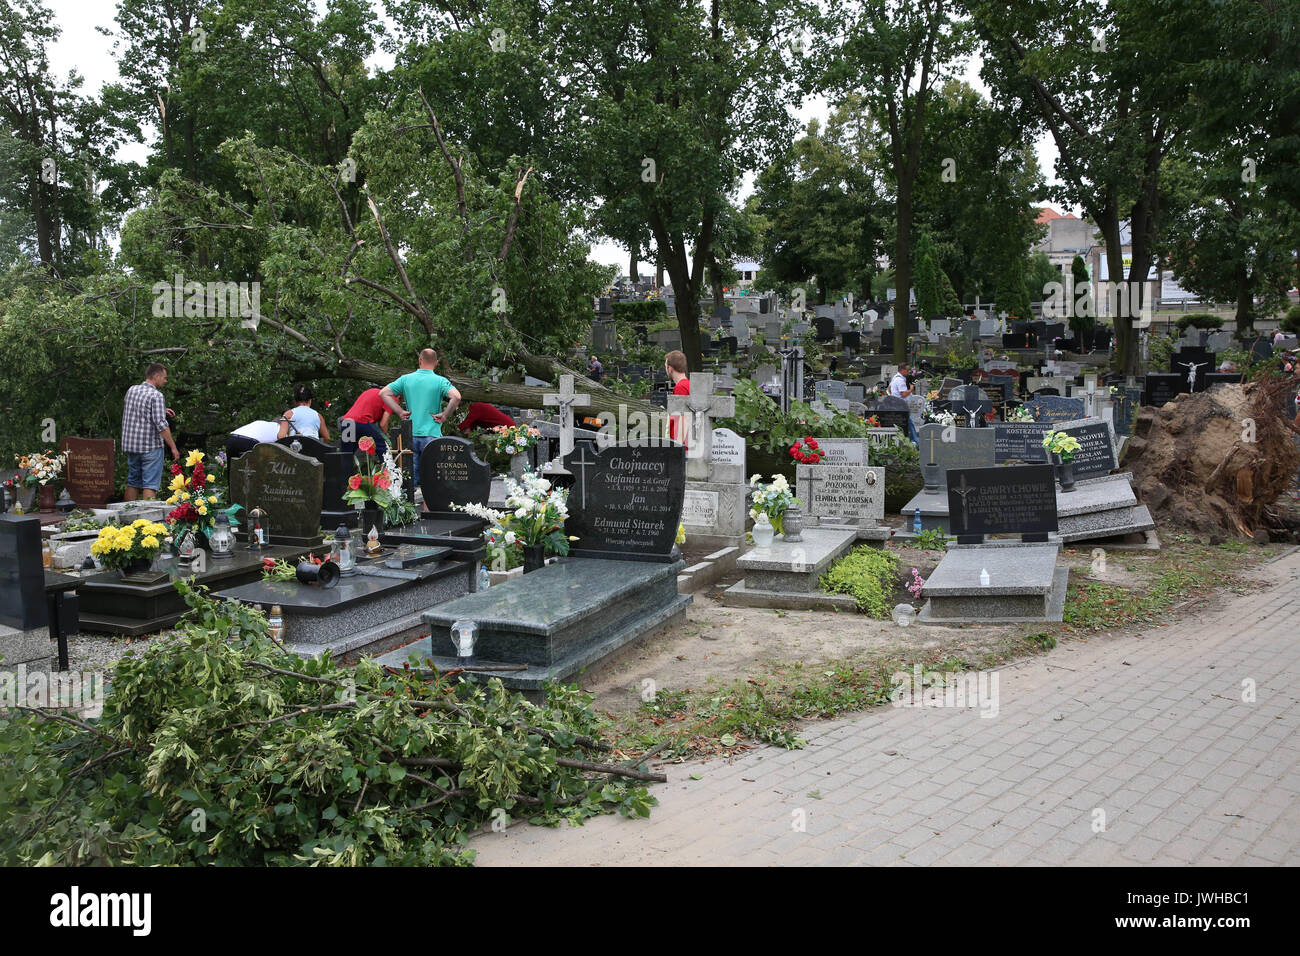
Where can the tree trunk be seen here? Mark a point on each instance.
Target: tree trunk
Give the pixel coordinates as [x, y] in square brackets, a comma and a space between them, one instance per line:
[1245, 299]
[902, 268]
[821, 290]
[634, 251]
[686, 292]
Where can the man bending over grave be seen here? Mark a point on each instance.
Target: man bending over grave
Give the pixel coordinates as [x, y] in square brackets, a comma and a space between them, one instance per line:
[144, 432]
[424, 392]
[368, 416]
[484, 415]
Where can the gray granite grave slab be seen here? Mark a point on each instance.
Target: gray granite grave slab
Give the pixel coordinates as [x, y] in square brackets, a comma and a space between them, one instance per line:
[1024, 585]
[713, 514]
[558, 620]
[787, 573]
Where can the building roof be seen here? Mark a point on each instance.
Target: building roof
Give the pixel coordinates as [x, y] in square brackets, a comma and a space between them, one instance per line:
[1047, 214]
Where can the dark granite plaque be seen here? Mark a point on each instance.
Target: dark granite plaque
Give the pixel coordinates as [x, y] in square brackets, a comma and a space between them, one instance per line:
[1096, 455]
[1020, 441]
[1223, 378]
[996, 392]
[626, 500]
[825, 329]
[969, 447]
[286, 485]
[970, 403]
[22, 578]
[451, 474]
[1008, 499]
[1163, 387]
[1054, 408]
[946, 387]
[89, 471]
[339, 467]
[891, 412]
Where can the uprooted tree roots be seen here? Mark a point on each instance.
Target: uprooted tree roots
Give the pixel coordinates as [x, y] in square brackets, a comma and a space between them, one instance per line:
[1217, 460]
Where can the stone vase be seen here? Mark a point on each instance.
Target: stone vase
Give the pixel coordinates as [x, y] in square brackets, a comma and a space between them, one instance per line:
[534, 557]
[1065, 474]
[792, 524]
[930, 475]
[47, 499]
[372, 516]
[137, 566]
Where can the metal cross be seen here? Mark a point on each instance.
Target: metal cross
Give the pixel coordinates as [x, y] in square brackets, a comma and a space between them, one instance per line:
[962, 491]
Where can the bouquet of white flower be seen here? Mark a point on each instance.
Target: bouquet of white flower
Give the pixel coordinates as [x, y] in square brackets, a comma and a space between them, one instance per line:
[772, 499]
[536, 516]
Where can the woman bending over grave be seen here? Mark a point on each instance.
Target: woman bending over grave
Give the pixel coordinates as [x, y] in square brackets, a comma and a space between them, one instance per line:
[302, 419]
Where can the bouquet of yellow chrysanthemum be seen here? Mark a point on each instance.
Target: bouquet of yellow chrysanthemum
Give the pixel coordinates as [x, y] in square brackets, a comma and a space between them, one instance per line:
[195, 499]
[116, 547]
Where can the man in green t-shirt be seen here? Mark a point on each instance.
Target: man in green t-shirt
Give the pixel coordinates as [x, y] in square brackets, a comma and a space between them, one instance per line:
[424, 391]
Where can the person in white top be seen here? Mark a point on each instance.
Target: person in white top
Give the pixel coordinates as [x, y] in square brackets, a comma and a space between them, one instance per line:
[303, 420]
[245, 437]
[899, 388]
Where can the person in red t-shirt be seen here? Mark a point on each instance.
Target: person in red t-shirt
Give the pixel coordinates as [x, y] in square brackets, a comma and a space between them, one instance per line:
[483, 415]
[369, 416]
[675, 366]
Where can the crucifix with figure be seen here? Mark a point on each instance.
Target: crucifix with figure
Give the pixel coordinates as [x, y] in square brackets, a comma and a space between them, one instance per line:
[696, 412]
[565, 400]
[1191, 374]
[961, 491]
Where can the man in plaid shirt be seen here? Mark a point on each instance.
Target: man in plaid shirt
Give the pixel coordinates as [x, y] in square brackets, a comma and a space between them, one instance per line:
[144, 430]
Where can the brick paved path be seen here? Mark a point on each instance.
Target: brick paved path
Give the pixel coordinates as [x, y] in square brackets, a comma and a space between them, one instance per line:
[1149, 728]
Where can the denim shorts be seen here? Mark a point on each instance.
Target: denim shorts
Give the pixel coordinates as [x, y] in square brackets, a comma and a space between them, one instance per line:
[144, 469]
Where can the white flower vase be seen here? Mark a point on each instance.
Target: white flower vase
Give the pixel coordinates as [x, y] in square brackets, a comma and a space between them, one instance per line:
[763, 532]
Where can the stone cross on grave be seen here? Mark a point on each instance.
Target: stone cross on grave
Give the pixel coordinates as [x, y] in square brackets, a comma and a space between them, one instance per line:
[582, 463]
[931, 439]
[565, 400]
[697, 410]
[1191, 374]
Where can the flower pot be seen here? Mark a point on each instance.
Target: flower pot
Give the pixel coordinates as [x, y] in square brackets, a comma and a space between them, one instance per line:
[1065, 474]
[26, 497]
[534, 557]
[372, 516]
[48, 497]
[137, 566]
[930, 475]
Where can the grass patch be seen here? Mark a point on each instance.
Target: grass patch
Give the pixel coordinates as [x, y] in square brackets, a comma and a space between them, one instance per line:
[765, 710]
[868, 575]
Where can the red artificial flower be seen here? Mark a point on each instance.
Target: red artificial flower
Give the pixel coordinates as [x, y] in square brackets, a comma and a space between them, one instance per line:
[812, 443]
[367, 445]
[176, 468]
[354, 482]
[383, 481]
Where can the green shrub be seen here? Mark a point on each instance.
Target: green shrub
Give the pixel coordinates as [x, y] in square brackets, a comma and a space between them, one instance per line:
[932, 539]
[1201, 320]
[868, 574]
[640, 313]
[220, 748]
[1291, 321]
[902, 464]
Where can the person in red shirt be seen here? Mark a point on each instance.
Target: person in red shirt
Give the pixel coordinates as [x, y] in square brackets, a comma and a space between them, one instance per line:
[369, 416]
[675, 366]
[483, 415]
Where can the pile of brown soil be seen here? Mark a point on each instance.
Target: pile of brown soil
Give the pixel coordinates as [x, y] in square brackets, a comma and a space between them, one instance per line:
[1217, 461]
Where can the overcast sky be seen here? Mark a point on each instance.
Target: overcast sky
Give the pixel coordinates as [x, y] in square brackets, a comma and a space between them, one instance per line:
[87, 51]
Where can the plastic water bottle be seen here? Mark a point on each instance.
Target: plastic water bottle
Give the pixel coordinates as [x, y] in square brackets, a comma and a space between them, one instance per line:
[484, 578]
[916, 521]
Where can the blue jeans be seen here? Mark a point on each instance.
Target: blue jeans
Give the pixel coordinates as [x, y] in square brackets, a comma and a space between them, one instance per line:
[362, 429]
[144, 469]
[418, 444]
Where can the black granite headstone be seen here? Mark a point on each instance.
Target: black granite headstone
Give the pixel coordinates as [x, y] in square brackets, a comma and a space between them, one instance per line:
[1054, 408]
[1202, 357]
[22, 577]
[1163, 387]
[1223, 378]
[1261, 350]
[886, 340]
[825, 328]
[451, 474]
[851, 340]
[287, 485]
[1020, 441]
[971, 403]
[1096, 454]
[626, 500]
[1006, 499]
[891, 412]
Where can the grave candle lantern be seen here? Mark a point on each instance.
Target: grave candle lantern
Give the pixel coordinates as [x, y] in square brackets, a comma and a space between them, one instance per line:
[221, 540]
[259, 530]
[343, 548]
[463, 636]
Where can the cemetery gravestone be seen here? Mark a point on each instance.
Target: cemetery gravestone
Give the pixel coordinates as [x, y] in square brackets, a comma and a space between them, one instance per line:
[970, 403]
[1096, 455]
[1013, 499]
[842, 491]
[844, 451]
[1054, 408]
[728, 457]
[287, 486]
[90, 470]
[451, 474]
[1161, 388]
[626, 500]
[697, 410]
[22, 577]
[1020, 441]
[969, 448]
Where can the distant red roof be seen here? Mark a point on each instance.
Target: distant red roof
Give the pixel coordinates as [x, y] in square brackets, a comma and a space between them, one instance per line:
[1047, 214]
